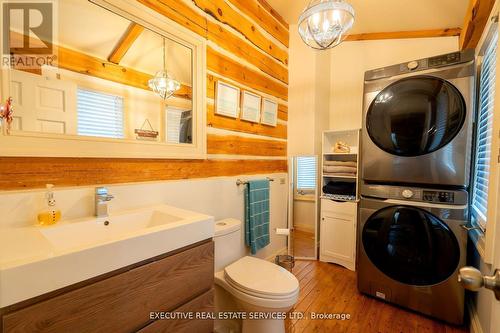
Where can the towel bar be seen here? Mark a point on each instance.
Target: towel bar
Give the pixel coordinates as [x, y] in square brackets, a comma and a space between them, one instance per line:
[242, 182]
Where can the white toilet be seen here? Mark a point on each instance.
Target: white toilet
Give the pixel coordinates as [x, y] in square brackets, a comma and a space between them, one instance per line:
[257, 287]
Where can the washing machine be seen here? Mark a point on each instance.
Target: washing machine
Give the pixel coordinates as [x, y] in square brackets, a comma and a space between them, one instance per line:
[417, 122]
[411, 244]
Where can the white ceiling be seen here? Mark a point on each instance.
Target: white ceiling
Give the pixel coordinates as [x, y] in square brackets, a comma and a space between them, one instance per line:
[390, 15]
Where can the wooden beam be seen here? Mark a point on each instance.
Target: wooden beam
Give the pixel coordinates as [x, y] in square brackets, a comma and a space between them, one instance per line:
[475, 22]
[238, 145]
[404, 34]
[30, 172]
[238, 125]
[76, 61]
[134, 30]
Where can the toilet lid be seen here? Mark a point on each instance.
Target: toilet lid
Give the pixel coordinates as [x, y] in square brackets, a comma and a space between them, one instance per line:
[261, 277]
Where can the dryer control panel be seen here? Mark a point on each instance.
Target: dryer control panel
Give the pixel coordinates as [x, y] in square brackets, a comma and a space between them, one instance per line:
[438, 196]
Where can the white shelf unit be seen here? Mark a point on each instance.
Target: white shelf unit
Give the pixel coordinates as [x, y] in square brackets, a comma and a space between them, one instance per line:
[339, 217]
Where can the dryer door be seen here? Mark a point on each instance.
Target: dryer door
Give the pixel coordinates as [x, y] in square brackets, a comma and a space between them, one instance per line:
[416, 116]
[411, 245]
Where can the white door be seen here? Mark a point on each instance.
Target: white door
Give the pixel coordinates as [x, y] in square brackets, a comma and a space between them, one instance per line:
[43, 105]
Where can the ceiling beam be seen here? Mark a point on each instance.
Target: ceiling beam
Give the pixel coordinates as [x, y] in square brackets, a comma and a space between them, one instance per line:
[405, 34]
[475, 22]
[134, 30]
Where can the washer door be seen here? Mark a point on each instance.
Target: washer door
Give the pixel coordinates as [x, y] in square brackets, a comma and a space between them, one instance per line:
[416, 116]
[411, 245]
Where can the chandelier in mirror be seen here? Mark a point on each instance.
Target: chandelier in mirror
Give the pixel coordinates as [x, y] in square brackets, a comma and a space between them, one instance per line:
[163, 83]
[324, 23]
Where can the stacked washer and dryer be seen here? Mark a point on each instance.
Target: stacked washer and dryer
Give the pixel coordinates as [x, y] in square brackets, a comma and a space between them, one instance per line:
[416, 160]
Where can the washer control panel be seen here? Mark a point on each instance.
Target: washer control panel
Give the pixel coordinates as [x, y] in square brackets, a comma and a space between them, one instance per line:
[439, 196]
[444, 60]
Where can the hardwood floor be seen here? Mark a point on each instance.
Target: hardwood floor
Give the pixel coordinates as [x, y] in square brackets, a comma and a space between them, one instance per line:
[328, 288]
[303, 243]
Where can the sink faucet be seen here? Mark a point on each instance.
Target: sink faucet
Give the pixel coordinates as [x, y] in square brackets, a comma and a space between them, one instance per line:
[101, 201]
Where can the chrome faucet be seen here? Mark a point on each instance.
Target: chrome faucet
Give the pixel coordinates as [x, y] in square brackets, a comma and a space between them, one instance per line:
[101, 201]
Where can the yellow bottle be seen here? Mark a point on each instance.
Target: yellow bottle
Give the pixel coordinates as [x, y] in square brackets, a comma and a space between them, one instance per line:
[51, 215]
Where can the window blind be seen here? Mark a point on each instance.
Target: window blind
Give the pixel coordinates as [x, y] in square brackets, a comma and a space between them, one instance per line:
[484, 132]
[99, 114]
[173, 125]
[306, 173]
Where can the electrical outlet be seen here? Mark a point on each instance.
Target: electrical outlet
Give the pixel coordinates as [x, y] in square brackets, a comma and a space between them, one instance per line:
[282, 181]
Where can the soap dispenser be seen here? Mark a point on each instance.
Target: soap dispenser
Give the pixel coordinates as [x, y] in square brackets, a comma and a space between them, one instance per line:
[51, 215]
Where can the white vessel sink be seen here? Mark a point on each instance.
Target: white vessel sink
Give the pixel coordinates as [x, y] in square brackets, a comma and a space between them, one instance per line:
[36, 260]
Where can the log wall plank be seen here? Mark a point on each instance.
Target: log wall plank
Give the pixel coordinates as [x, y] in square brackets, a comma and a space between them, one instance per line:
[231, 69]
[274, 13]
[259, 14]
[29, 172]
[220, 10]
[237, 145]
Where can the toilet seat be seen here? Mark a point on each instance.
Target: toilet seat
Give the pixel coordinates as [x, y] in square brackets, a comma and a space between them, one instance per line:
[262, 279]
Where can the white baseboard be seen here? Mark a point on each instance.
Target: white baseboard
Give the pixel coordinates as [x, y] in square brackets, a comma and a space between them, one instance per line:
[475, 323]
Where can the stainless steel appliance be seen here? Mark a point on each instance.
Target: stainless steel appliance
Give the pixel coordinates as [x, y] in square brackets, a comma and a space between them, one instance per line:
[417, 123]
[411, 245]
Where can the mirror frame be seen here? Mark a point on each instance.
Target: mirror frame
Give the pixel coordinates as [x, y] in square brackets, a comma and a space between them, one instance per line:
[33, 144]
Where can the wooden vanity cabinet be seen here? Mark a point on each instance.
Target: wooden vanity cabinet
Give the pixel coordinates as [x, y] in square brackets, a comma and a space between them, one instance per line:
[123, 300]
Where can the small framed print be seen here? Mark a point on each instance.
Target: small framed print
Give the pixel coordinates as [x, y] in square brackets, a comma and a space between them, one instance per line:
[227, 100]
[250, 109]
[269, 112]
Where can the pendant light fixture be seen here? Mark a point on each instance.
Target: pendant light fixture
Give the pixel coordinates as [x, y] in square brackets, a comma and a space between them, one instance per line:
[324, 23]
[163, 84]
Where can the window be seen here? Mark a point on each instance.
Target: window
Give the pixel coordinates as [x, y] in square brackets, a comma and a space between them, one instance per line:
[484, 132]
[306, 173]
[179, 125]
[99, 114]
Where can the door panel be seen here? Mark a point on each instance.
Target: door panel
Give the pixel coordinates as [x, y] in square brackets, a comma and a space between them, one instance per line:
[411, 245]
[416, 116]
[338, 237]
[53, 108]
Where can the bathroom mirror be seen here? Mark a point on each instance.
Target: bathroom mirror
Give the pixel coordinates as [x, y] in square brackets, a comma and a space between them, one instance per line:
[303, 213]
[104, 93]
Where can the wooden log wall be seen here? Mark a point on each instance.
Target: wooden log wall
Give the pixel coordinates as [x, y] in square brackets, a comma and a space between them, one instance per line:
[247, 47]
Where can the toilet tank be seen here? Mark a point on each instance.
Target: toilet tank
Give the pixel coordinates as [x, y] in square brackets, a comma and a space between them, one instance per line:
[228, 242]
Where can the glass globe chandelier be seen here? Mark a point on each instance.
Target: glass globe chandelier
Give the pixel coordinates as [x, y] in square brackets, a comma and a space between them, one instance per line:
[163, 83]
[324, 23]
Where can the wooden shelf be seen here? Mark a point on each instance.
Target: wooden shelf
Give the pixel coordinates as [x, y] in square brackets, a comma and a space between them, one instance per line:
[340, 154]
[337, 176]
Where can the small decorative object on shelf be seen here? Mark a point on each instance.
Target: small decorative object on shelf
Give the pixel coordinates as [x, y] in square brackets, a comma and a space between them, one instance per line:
[146, 134]
[341, 147]
[6, 113]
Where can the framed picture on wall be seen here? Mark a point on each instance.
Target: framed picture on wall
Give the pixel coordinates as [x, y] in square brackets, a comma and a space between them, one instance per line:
[250, 107]
[269, 112]
[227, 99]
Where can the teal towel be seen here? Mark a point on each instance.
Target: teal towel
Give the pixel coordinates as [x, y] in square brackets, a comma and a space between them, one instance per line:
[257, 215]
